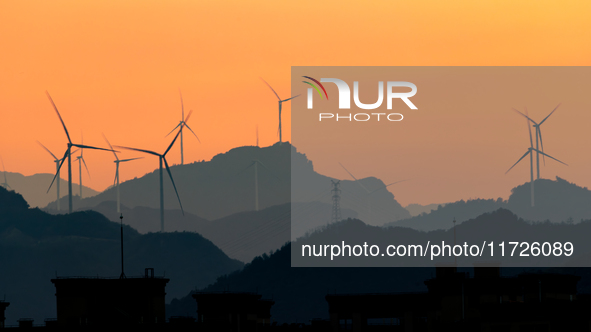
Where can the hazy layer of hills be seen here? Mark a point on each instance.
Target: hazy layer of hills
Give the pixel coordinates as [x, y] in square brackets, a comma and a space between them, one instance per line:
[555, 200]
[36, 246]
[242, 236]
[494, 227]
[299, 292]
[34, 189]
[226, 185]
[418, 209]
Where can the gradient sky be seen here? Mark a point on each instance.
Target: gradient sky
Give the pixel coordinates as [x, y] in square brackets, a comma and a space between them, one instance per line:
[115, 67]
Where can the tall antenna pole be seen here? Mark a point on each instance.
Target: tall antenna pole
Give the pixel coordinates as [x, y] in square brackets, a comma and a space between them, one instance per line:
[122, 276]
[336, 198]
[256, 187]
[455, 257]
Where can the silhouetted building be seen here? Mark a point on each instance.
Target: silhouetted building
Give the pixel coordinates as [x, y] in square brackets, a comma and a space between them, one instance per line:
[3, 306]
[112, 302]
[226, 311]
[487, 302]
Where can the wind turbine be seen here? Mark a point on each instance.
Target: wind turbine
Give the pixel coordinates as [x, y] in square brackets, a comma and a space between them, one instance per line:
[369, 193]
[538, 136]
[5, 184]
[280, 104]
[68, 154]
[255, 163]
[183, 123]
[117, 161]
[530, 151]
[80, 161]
[162, 158]
[57, 170]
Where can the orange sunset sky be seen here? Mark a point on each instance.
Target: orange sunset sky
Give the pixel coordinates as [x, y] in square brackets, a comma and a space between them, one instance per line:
[115, 67]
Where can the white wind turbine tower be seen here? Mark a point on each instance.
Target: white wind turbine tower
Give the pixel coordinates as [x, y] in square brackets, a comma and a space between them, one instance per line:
[5, 183]
[255, 163]
[539, 142]
[530, 151]
[57, 170]
[183, 123]
[280, 105]
[117, 161]
[162, 159]
[80, 161]
[68, 154]
[369, 193]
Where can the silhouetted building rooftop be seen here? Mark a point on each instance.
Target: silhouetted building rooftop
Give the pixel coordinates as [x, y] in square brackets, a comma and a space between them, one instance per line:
[487, 302]
[85, 301]
[3, 306]
[233, 311]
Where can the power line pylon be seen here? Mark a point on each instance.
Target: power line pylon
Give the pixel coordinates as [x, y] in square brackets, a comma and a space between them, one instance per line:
[336, 198]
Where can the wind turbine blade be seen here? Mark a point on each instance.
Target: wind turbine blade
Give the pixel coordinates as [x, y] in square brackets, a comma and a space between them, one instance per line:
[139, 150]
[354, 177]
[173, 129]
[549, 114]
[58, 114]
[180, 123]
[110, 146]
[87, 171]
[549, 156]
[58, 170]
[90, 147]
[188, 116]
[124, 160]
[2, 161]
[174, 140]
[386, 186]
[290, 98]
[46, 149]
[245, 168]
[186, 125]
[267, 168]
[116, 171]
[527, 117]
[173, 185]
[271, 88]
[528, 151]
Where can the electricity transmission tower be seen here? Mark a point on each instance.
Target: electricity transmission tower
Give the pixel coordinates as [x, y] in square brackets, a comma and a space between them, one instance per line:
[336, 198]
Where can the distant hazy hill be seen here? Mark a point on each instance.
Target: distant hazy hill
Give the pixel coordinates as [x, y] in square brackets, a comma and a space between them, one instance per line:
[442, 217]
[557, 201]
[299, 292]
[34, 189]
[225, 186]
[36, 246]
[417, 209]
[242, 236]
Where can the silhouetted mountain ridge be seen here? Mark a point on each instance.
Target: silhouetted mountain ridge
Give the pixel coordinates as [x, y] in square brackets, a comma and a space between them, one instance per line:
[36, 246]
